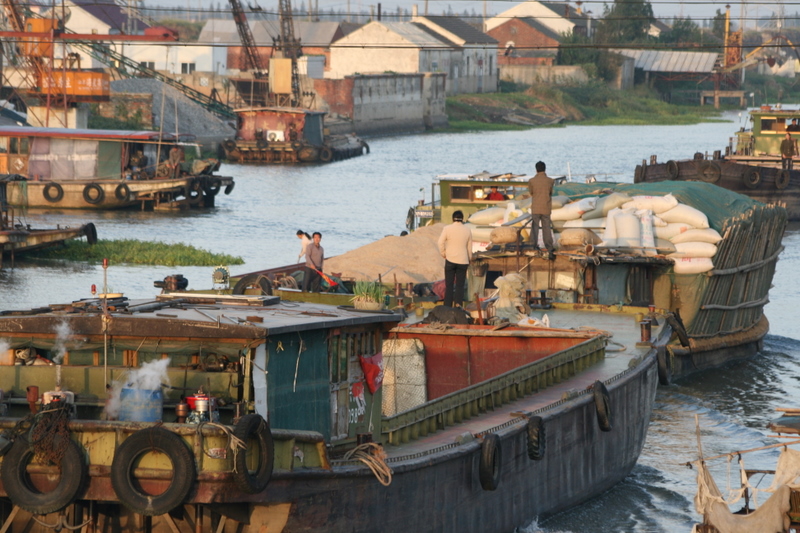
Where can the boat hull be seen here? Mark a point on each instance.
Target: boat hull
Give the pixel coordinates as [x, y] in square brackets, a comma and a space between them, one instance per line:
[241, 151]
[732, 174]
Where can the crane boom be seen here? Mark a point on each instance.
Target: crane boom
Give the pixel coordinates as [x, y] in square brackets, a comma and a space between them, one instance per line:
[253, 59]
[290, 46]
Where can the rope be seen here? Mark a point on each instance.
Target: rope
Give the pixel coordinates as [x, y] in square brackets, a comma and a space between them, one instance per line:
[234, 443]
[372, 455]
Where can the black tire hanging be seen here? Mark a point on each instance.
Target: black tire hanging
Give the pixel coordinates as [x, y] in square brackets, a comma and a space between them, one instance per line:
[602, 404]
[262, 144]
[672, 169]
[193, 192]
[96, 198]
[751, 178]
[53, 192]
[710, 172]
[782, 179]
[91, 233]
[212, 186]
[229, 145]
[325, 154]
[255, 432]
[664, 365]
[679, 329]
[21, 491]
[127, 488]
[364, 147]
[252, 281]
[229, 187]
[535, 438]
[489, 468]
[122, 192]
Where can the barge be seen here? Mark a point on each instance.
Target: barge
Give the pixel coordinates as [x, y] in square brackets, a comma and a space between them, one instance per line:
[105, 169]
[749, 165]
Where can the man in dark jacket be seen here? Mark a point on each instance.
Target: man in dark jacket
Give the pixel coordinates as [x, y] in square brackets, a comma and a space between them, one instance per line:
[315, 256]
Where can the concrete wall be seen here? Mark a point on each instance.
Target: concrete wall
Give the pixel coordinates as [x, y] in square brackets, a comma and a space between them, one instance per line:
[169, 58]
[385, 103]
[533, 74]
[531, 47]
[624, 78]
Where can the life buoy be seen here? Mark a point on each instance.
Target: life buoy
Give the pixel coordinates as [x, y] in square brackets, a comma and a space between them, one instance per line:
[664, 365]
[602, 404]
[782, 179]
[20, 490]
[91, 233]
[489, 468]
[155, 439]
[229, 187]
[672, 169]
[262, 144]
[53, 192]
[254, 464]
[535, 441]
[638, 174]
[710, 172]
[229, 145]
[93, 194]
[253, 281]
[751, 178]
[212, 186]
[122, 192]
[325, 154]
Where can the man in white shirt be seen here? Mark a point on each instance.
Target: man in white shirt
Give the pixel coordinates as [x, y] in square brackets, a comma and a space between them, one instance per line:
[455, 245]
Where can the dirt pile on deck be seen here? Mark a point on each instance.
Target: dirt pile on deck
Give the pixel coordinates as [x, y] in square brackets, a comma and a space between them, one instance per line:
[413, 258]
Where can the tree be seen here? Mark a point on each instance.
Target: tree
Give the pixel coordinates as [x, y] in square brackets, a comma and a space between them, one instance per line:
[683, 32]
[576, 49]
[718, 24]
[626, 21]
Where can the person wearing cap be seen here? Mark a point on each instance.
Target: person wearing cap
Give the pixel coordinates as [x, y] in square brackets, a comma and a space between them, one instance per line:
[541, 188]
[455, 245]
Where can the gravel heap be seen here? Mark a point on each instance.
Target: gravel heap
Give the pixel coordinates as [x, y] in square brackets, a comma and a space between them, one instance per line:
[192, 117]
[413, 258]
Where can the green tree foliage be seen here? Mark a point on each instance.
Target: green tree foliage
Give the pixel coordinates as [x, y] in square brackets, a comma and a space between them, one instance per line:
[626, 21]
[684, 32]
[578, 49]
[718, 24]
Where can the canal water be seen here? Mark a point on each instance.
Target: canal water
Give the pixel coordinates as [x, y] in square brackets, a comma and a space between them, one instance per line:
[357, 201]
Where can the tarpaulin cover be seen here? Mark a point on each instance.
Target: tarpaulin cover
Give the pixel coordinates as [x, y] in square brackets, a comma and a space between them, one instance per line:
[109, 157]
[39, 160]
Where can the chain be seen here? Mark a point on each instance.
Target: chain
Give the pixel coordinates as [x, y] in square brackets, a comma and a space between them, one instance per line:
[49, 433]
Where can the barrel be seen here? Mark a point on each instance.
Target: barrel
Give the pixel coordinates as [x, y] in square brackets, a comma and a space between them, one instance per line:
[141, 405]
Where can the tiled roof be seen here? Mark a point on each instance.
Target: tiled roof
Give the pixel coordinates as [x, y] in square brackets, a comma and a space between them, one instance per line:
[468, 33]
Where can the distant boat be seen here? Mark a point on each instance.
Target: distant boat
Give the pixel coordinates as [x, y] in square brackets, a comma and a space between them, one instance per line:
[105, 169]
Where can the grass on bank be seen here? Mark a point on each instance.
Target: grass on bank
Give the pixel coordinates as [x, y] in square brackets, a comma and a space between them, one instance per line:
[135, 252]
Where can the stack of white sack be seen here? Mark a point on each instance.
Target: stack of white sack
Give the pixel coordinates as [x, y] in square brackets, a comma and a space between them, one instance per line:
[483, 222]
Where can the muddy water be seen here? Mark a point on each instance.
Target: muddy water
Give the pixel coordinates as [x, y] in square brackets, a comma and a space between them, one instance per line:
[357, 201]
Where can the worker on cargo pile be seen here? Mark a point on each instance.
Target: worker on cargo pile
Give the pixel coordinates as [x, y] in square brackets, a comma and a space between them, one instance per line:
[788, 151]
[541, 189]
[455, 245]
[315, 256]
[305, 240]
[495, 196]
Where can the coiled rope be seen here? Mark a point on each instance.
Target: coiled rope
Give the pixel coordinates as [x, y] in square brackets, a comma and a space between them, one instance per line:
[372, 455]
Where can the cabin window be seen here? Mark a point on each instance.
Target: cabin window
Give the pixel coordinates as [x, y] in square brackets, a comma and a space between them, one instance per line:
[18, 145]
[460, 192]
[3, 145]
[773, 124]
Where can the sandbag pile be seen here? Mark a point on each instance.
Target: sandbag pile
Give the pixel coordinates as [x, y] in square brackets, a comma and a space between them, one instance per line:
[646, 225]
[498, 224]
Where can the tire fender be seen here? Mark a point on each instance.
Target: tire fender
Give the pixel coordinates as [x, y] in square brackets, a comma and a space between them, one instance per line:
[184, 473]
[672, 169]
[254, 431]
[212, 186]
[253, 280]
[782, 179]
[535, 438]
[710, 172]
[229, 188]
[325, 154]
[18, 486]
[751, 178]
[229, 145]
[99, 196]
[490, 462]
[262, 144]
[53, 192]
[664, 365]
[602, 404]
[122, 192]
[91, 233]
[679, 329]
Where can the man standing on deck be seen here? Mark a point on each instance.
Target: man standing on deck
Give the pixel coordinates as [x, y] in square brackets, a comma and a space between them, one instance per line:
[315, 256]
[455, 245]
[541, 189]
[788, 151]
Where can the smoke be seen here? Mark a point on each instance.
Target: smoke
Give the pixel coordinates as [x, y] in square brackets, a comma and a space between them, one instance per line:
[151, 376]
[63, 333]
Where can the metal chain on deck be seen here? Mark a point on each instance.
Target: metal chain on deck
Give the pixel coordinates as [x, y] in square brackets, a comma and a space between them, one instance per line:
[49, 433]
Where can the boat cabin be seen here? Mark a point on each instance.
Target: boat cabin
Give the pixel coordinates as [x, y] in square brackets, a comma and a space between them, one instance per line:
[280, 124]
[769, 125]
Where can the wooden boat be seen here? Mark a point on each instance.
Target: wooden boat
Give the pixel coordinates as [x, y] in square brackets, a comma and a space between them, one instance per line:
[288, 135]
[487, 430]
[767, 499]
[17, 238]
[750, 164]
[103, 169]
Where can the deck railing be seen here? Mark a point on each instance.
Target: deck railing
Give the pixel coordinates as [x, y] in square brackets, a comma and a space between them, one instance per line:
[485, 396]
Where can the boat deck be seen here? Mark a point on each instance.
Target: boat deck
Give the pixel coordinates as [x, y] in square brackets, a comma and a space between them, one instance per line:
[620, 351]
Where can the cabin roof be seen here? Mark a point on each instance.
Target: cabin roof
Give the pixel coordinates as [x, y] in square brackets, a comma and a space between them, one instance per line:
[120, 135]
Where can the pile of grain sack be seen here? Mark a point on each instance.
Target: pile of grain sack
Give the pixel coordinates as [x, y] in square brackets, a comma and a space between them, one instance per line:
[639, 225]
